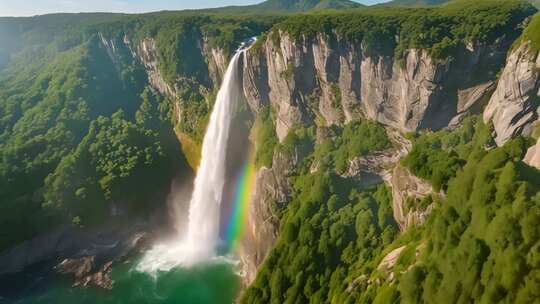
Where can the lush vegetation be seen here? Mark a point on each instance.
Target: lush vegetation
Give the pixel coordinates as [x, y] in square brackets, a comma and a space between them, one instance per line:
[438, 156]
[532, 33]
[305, 5]
[478, 245]
[440, 30]
[79, 128]
[328, 230]
[416, 2]
[265, 138]
[54, 32]
[65, 151]
[181, 40]
[331, 226]
[82, 136]
[355, 139]
[536, 3]
[118, 162]
[481, 244]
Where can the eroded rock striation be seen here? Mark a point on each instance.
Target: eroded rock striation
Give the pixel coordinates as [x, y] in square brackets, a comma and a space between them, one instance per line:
[334, 80]
[407, 186]
[272, 191]
[514, 105]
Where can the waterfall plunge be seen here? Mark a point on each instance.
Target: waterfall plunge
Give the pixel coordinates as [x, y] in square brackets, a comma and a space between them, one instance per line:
[204, 210]
[203, 229]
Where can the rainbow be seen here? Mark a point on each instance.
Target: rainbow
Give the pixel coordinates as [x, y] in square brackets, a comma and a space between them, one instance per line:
[242, 197]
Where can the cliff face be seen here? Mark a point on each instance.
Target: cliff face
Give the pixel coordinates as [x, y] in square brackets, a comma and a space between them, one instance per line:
[145, 53]
[407, 186]
[513, 108]
[272, 191]
[336, 80]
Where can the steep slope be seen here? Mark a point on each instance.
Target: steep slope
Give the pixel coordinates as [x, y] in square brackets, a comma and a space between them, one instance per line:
[305, 5]
[18, 33]
[354, 69]
[88, 105]
[70, 141]
[513, 108]
[336, 217]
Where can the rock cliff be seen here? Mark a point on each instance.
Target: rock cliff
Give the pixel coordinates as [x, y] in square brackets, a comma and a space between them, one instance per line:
[145, 52]
[532, 157]
[272, 191]
[513, 108]
[405, 186]
[333, 79]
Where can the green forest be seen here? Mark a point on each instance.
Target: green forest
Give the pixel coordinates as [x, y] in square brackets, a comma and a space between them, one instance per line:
[84, 132]
[333, 234]
[79, 128]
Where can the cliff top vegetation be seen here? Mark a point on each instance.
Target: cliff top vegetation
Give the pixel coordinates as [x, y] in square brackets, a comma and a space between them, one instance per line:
[532, 33]
[440, 30]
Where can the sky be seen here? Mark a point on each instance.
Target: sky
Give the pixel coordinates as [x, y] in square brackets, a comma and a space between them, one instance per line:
[39, 7]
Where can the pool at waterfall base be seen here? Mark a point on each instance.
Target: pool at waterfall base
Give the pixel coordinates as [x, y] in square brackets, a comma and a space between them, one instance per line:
[213, 282]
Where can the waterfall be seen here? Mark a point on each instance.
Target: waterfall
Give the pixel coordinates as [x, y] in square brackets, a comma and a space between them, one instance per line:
[201, 240]
[204, 210]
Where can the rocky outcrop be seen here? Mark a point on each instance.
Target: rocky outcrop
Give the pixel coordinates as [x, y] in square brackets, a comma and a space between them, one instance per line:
[272, 191]
[532, 158]
[390, 259]
[86, 273]
[387, 264]
[217, 62]
[377, 167]
[407, 186]
[514, 106]
[146, 52]
[108, 241]
[334, 79]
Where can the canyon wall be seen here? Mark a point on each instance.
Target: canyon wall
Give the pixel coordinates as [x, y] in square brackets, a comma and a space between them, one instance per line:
[334, 80]
[328, 80]
[145, 52]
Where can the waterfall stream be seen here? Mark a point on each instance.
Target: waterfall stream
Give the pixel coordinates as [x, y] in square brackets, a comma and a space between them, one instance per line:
[202, 237]
[204, 210]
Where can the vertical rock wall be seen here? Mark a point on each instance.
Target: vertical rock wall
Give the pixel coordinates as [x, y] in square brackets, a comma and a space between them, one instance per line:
[334, 79]
[513, 108]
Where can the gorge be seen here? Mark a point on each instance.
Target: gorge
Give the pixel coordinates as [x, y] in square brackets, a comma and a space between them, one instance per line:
[391, 153]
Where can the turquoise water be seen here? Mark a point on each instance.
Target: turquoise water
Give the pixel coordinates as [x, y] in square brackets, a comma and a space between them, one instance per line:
[212, 283]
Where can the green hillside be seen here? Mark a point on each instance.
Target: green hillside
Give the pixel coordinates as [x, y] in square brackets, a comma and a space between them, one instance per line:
[536, 3]
[417, 3]
[39, 31]
[306, 5]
